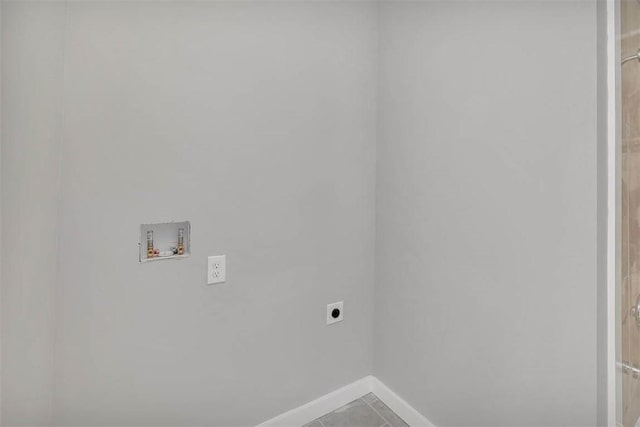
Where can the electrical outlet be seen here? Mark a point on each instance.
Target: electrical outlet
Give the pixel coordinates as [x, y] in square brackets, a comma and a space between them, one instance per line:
[217, 269]
[335, 312]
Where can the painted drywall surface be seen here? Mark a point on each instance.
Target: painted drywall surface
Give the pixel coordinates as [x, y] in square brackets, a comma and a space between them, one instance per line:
[486, 250]
[604, 413]
[146, 328]
[256, 122]
[32, 41]
[0, 212]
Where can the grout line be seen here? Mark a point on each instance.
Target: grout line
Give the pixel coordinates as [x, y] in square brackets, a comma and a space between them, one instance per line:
[374, 410]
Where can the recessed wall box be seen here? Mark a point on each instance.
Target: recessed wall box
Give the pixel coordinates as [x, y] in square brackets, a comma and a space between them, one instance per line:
[166, 240]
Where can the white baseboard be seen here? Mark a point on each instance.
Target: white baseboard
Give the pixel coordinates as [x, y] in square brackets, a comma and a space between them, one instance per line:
[397, 404]
[329, 402]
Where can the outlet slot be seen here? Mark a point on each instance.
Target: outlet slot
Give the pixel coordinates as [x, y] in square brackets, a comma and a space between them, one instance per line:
[335, 312]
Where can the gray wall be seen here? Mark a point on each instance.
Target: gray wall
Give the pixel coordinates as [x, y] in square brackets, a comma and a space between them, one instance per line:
[32, 42]
[603, 413]
[256, 122]
[486, 211]
[485, 223]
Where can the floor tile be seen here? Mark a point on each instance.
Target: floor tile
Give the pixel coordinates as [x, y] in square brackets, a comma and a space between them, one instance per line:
[386, 413]
[368, 411]
[369, 398]
[355, 414]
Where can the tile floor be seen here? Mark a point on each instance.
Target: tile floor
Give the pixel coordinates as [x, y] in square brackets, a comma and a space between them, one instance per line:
[368, 411]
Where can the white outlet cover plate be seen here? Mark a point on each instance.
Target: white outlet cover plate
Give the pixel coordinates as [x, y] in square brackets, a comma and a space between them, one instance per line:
[330, 307]
[216, 269]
